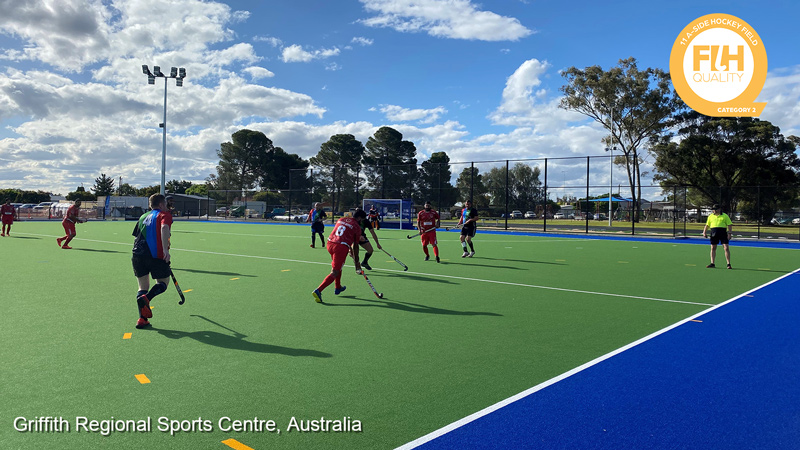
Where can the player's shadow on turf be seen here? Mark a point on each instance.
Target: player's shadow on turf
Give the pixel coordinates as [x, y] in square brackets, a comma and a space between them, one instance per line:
[211, 272]
[406, 275]
[413, 307]
[25, 237]
[97, 250]
[238, 343]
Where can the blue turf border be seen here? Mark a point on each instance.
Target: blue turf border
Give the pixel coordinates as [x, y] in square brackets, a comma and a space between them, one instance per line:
[725, 382]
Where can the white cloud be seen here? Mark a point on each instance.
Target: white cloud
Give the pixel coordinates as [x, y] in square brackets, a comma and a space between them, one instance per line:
[782, 93]
[398, 113]
[273, 41]
[454, 19]
[295, 53]
[257, 73]
[523, 107]
[362, 41]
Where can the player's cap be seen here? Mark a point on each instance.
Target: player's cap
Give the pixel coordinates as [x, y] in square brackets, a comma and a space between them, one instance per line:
[715, 206]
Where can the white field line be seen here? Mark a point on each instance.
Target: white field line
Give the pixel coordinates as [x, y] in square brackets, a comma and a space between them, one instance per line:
[488, 410]
[507, 283]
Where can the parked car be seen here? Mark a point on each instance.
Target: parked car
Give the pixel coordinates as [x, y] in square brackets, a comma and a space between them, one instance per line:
[516, 214]
[221, 211]
[558, 216]
[796, 221]
[530, 215]
[601, 216]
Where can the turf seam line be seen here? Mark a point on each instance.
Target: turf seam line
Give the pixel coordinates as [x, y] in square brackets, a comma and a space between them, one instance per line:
[477, 415]
[508, 283]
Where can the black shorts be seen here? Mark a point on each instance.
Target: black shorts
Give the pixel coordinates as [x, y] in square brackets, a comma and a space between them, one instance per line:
[317, 227]
[146, 264]
[363, 240]
[719, 236]
[469, 230]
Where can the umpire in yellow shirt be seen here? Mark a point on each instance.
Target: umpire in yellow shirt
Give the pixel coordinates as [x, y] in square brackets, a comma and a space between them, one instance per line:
[721, 227]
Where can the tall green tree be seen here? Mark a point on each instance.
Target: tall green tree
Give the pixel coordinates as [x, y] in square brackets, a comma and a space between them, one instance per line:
[148, 190]
[434, 183]
[178, 186]
[81, 194]
[633, 105]
[241, 161]
[390, 164]
[277, 168]
[470, 186]
[200, 190]
[103, 185]
[126, 189]
[725, 159]
[339, 163]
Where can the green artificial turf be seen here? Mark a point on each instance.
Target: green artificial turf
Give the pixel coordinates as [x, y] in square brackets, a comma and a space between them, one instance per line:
[447, 340]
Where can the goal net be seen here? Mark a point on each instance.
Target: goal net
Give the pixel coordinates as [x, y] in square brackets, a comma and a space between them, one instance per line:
[393, 213]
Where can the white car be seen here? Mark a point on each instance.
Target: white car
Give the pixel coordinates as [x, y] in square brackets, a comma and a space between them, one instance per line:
[796, 221]
[530, 215]
[558, 216]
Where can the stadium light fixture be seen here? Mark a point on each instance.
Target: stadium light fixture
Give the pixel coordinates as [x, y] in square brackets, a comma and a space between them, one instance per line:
[178, 75]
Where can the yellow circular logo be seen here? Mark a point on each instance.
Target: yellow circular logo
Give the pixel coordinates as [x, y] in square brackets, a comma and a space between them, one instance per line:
[718, 66]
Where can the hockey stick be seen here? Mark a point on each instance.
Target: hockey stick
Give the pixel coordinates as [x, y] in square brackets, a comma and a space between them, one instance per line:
[411, 236]
[457, 227]
[180, 292]
[370, 285]
[405, 267]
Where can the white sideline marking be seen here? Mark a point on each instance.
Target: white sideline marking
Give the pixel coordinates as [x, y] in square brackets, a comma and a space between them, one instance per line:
[490, 409]
[508, 283]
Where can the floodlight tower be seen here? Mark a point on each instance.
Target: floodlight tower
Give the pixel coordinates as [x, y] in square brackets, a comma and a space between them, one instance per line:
[178, 75]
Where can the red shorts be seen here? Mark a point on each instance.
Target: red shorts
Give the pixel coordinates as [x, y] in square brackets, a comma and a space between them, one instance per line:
[8, 220]
[428, 238]
[339, 254]
[69, 227]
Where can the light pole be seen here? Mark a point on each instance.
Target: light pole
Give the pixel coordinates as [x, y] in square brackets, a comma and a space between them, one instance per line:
[611, 171]
[179, 75]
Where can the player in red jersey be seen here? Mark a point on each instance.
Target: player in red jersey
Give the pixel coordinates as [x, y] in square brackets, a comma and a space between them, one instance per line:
[70, 219]
[428, 222]
[343, 241]
[8, 212]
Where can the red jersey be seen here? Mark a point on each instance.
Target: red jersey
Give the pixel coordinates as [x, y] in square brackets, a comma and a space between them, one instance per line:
[347, 231]
[427, 219]
[73, 213]
[7, 211]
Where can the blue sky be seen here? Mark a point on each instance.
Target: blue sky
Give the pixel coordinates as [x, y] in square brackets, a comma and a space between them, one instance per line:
[477, 80]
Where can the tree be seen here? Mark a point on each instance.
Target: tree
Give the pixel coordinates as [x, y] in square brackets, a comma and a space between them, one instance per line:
[18, 196]
[103, 185]
[524, 187]
[81, 194]
[177, 186]
[470, 186]
[434, 182]
[725, 159]
[342, 152]
[390, 164]
[633, 105]
[126, 190]
[284, 170]
[241, 161]
[200, 190]
[148, 191]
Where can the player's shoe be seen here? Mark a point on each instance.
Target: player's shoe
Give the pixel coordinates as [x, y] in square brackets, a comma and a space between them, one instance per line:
[471, 254]
[2, 234]
[465, 254]
[427, 257]
[66, 247]
[710, 266]
[59, 240]
[317, 296]
[437, 259]
[338, 291]
[144, 306]
[729, 266]
[312, 245]
[365, 265]
[142, 323]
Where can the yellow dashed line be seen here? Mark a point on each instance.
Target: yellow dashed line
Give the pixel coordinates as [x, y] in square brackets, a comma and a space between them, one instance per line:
[763, 269]
[691, 265]
[187, 290]
[142, 378]
[127, 335]
[234, 278]
[561, 260]
[623, 262]
[700, 321]
[286, 270]
[236, 445]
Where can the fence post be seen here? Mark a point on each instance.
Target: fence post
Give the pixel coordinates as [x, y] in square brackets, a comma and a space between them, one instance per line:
[290, 192]
[674, 208]
[506, 214]
[544, 224]
[472, 182]
[758, 208]
[587, 195]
